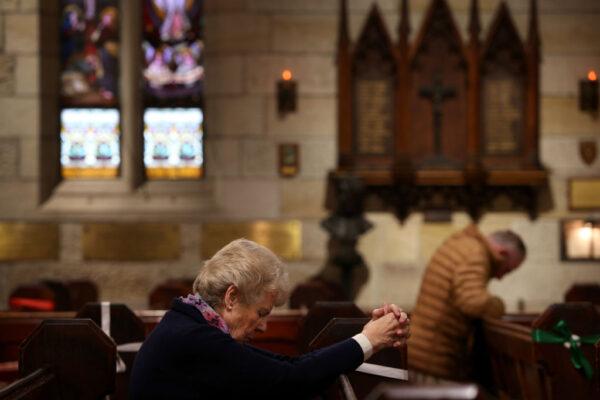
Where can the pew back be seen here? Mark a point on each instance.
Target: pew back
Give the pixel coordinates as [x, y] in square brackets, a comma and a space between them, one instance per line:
[356, 384]
[526, 369]
[320, 314]
[65, 359]
[15, 326]
[124, 326]
[584, 292]
[582, 319]
[517, 375]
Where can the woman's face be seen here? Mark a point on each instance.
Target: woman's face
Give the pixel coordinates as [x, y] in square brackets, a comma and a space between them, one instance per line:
[246, 320]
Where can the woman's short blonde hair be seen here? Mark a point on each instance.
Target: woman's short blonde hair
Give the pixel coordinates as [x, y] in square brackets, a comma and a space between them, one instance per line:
[252, 268]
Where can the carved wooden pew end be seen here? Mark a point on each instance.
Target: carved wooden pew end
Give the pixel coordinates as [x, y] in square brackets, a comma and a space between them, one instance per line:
[527, 368]
[65, 359]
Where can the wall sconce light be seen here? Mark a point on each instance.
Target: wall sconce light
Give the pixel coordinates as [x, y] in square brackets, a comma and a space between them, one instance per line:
[588, 93]
[286, 93]
[580, 240]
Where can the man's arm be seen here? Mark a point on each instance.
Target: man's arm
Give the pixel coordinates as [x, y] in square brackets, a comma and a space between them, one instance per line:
[470, 289]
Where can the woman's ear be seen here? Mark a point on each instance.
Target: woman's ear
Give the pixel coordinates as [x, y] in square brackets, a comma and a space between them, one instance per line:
[232, 295]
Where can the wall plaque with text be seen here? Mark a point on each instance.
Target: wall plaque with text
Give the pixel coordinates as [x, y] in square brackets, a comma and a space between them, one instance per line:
[28, 241]
[131, 241]
[373, 95]
[584, 193]
[502, 115]
[374, 116]
[284, 238]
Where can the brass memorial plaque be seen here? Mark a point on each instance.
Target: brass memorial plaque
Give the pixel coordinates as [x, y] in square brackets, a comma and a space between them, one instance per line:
[28, 241]
[502, 115]
[584, 193]
[131, 241]
[373, 110]
[284, 238]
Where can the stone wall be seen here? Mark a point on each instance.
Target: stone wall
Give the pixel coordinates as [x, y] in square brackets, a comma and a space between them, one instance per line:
[249, 43]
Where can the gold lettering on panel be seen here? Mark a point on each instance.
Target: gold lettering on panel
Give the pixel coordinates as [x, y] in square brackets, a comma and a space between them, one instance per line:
[284, 238]
[131, 241]
[503, 115]
[373, 116]
[28, 241]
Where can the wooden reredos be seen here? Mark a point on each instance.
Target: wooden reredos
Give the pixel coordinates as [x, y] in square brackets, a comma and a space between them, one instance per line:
[440, 122]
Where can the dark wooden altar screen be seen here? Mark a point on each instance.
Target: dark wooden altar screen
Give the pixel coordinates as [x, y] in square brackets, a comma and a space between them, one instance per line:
[438, 122]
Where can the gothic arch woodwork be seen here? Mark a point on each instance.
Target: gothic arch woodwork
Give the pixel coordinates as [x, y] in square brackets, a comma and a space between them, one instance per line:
[374, 102]
[503, 70]
[438, 104]
[465, 117]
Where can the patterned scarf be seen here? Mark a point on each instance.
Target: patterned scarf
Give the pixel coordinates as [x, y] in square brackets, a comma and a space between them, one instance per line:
[209, 314]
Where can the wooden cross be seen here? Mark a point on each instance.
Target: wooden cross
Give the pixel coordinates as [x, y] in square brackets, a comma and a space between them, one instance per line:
[437, 93]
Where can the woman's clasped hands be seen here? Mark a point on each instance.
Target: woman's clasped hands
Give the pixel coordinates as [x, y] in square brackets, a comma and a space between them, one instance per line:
[389, 327]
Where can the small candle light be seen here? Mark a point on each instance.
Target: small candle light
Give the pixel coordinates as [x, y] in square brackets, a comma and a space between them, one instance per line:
[286, 93]
[588, 92]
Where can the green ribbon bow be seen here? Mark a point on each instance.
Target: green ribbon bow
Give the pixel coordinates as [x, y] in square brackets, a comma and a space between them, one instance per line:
[561, 333]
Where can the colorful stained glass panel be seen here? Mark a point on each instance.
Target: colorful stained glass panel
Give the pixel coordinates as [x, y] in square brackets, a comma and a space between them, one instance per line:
[89, 143]
[173, 49]
[89, 47]
[173, 143]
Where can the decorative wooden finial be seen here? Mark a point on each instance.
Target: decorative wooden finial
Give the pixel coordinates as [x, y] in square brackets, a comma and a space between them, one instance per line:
[343, 36]
[474, 25]
[404, 24]
[533, 38]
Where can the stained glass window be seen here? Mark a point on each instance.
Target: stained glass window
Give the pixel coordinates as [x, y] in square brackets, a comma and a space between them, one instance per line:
[89, 50]
[89, 46]
[173, 53]
[89, 143]
[173, 143]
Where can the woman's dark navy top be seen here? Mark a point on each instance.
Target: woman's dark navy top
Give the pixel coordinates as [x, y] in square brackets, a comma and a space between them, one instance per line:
[186, 358]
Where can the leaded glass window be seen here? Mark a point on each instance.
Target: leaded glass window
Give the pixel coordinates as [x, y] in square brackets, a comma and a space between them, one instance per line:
[173, 77]
[173, 143]
[89, 81]
[89, 142]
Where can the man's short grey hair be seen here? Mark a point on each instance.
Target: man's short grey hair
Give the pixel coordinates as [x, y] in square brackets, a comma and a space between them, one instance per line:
[510, 239]
[251, 267]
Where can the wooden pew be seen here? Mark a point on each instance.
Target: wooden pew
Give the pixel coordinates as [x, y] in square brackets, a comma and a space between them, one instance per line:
[320, 314]
[281, 335]
[64, 359]
[163, 294]
[524, 369]
[525, 319]
[516, 373]
[283, 330]
[16, 326]
[358, 384]
[126, 329]
[584, 292]
[124, 325]
[52, 295]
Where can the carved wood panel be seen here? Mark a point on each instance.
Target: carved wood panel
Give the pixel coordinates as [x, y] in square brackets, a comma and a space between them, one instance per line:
[373, 97]
[464, 119]
[438, 93]
[503, 94]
